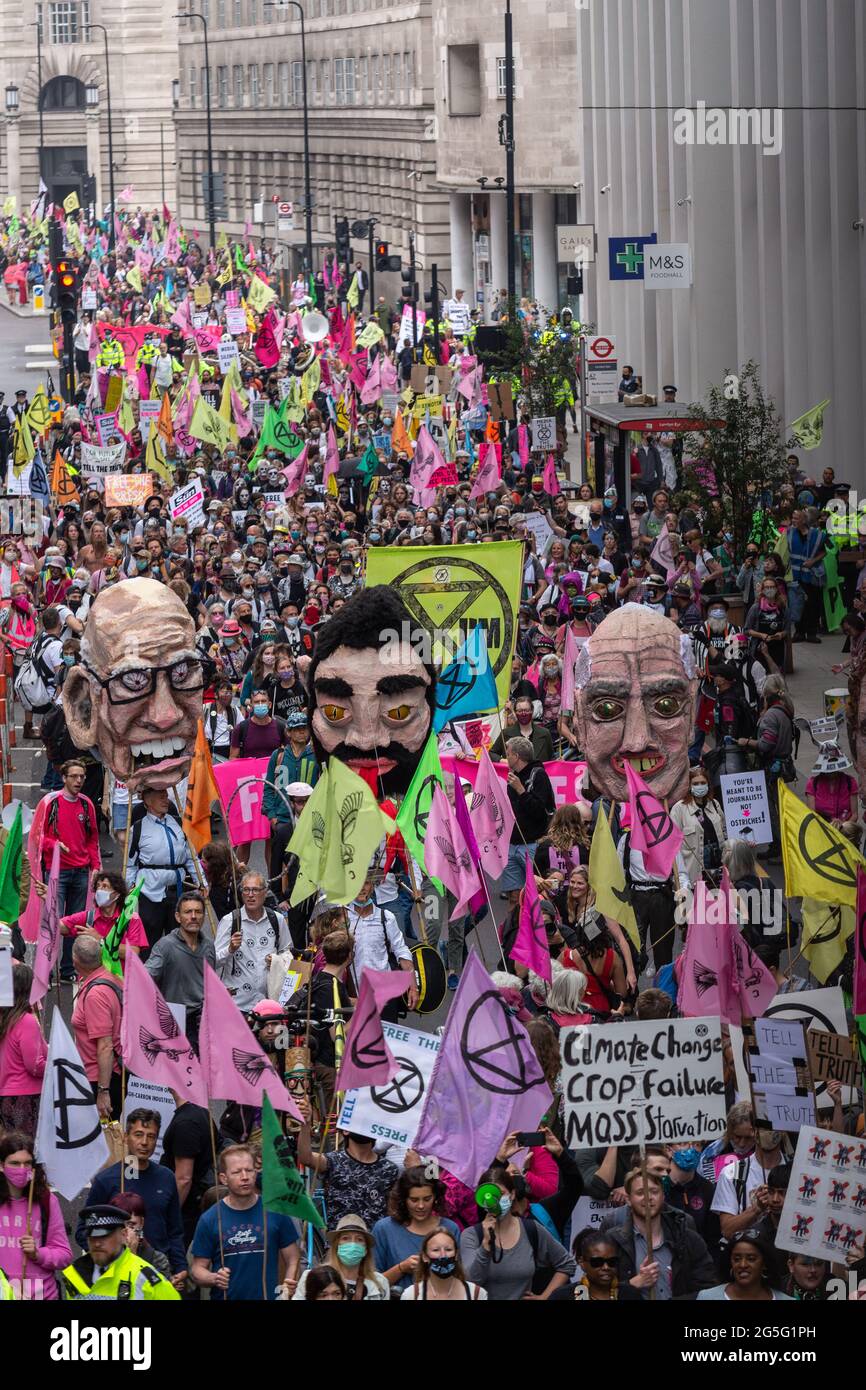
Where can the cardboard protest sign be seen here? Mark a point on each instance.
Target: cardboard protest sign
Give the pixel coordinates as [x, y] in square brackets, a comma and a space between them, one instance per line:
[128, 489]
[100, 462]
[639, 1083]
[825, 1206]
[781, 1084]
[816, 1008]
[188, 504]
[148, 411]
[392, 1111]
[746, 807]
[831, 1057]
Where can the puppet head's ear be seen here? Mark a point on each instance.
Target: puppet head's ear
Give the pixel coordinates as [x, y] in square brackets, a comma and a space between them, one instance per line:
[80, 701]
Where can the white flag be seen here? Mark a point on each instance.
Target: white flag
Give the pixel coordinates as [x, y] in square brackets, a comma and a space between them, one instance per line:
[70, 1143]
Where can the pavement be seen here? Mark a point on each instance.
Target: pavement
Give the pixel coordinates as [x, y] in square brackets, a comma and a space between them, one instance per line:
[17, 333]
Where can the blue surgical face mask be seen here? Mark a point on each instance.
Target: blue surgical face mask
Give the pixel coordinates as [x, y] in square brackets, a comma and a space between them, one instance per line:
[68, 659]
[260, 710]
[687, 1159]
[351, 1253]
[504, 1204]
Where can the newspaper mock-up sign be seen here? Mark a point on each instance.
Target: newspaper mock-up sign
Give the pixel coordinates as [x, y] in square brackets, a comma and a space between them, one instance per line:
[746, 807]
[147, 411]
[227, 353]
[543, 433]
[188, 505]
[392, 1111]
[656, 1082]
[236, 321]
[102, 461]
[825, 1206]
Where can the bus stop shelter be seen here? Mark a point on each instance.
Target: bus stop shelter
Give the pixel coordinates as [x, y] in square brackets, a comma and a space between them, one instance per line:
[617, 430]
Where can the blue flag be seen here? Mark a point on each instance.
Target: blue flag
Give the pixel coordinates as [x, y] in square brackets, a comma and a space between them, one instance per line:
[467, 685]
[38, 478]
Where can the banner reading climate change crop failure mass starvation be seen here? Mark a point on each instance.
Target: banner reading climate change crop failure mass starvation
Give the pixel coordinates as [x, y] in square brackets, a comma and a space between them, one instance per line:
[451, 589]
[643, 1083]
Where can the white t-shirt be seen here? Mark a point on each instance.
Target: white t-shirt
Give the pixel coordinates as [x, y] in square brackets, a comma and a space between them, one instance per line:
[369, 935]
[725, 1198]
[475, 1292]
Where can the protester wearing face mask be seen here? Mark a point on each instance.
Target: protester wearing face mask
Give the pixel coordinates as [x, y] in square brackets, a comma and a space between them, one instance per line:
[439, 1275]
[32, 1230]
[355, 1179]
[688, 1191]
[500, 1254]
[293, 632]
[699, 816]
[18, 624]
[351, 1255]
[767, 626]
[231, 651]
[109, 895]
[520, 720]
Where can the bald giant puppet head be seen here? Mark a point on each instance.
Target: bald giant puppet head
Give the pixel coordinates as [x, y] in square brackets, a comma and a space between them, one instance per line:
[635, 700]
[136, 694]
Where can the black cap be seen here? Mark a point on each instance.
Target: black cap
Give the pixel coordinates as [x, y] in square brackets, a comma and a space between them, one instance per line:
[669, 388]
[101, 1220]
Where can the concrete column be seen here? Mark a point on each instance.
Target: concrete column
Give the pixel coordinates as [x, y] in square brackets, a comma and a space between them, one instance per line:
[94, 160]
[460, 216]
[13, 158]
[498, 242]
[544, 251]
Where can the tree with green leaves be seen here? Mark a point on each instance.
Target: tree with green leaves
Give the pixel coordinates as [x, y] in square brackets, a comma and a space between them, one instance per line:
[738, 452]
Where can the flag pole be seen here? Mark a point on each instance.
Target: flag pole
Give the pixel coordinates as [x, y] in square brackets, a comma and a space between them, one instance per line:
[29, 1224]
[197, 867]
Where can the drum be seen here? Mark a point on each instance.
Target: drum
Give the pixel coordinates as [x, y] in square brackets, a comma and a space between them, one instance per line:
[430, 978]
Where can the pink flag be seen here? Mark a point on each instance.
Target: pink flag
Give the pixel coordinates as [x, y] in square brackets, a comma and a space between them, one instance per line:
[332, 456]
[718, 974]
[358, 370]
[242, 420]
[489, 472]
[859, 1006]
[372, 387]
[569, 661]
[388, 374]
[662, 553]
[234, 1066]
[530, 946]
[248, 228]
[446, 856]
[151, 1043]
[653, 832]
[493, 818]
[295, 472]
[468, 384]
[181, 316]
[48, 940]
[551, 482]
[747, 987]
[266, 349]
[523, 445]
[367, 1058]
[427, 460]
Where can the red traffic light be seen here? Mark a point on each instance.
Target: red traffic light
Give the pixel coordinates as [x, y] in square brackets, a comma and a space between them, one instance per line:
[381, 248]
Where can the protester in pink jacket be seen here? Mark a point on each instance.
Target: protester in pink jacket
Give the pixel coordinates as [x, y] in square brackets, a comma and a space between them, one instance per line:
[22, 1058]
[32, 1247]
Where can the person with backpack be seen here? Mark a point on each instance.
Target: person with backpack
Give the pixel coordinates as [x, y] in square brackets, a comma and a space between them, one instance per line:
[246, 940]
[38, 678]
[70, 819]
[219, 719]
[109, 896]
[505, 1252]
[257, 737]
[96, 1024]
[176, 963]
[158, 848]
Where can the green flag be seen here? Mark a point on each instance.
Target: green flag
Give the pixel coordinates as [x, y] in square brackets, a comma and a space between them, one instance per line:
[809, 428]
[10, 873]
[369, 463]
[283, 1187]
[412, 815]
[277, 434]
[835, 606]
[112, 943]
[337, 835]
[240, 263]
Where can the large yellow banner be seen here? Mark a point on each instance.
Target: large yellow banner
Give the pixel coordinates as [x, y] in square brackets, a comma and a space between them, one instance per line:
[451, 589]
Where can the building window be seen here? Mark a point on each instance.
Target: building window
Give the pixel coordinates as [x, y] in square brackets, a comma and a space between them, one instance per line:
[464, 80]
[283, 76]
[386, 78]
[408, 75]
[565, 209]
[205, 9]
[205, 87]
[398, 77]
[268, 81]
[238, 14]
[339, 82]
[64, 17]
[254, 84]
[312, 71]
[238, 84]
[374, 61]
[193, 75]
[223, 87]
[40, 24]
[220, 14]
[325, 83]
[500, 78]
[297, 84]
[63, 94]
[364, 79]
[350, 82]
[253, 12]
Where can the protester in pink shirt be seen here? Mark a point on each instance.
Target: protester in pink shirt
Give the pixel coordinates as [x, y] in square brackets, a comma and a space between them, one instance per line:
[96, 1024]
[109, 897]
[34, 1246]
[22, 1058]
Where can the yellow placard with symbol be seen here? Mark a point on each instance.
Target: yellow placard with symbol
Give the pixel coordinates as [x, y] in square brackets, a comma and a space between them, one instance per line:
[71, 203]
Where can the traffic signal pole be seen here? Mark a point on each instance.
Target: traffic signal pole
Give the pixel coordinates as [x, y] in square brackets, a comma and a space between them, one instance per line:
[414, 298]
[372, 274]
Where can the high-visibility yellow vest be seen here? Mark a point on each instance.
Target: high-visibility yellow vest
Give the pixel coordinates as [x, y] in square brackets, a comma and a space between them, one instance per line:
[128, 1279]
[110, 354]
[7, 1293]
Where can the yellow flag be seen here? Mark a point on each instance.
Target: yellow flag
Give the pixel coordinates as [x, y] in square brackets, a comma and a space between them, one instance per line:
[826, 929]
[24, 446]
[310, 381]
[259, 295]
[353, 298]
[369, 335]
[125, 417]
[208, 426]
[71, 203]
[225, 275]
[607, 879]
[819, 861]
[39, 414]
[225, 410]
[222, 241]
[154, 459]
[343, 421]
[133, 277]
[9, 206]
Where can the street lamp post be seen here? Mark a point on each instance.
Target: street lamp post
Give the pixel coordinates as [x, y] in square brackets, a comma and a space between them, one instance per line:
[211, 217]
[308, 195]
[37, 25]
[111, 235]
[507, 139]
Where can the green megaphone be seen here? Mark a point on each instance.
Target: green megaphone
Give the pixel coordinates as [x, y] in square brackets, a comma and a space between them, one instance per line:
[487, 1197]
